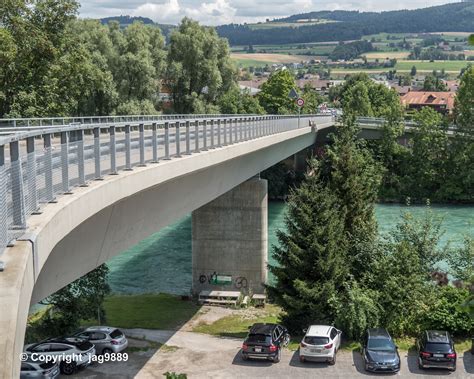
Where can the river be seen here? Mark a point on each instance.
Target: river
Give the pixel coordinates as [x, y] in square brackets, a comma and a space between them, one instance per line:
[162, 262]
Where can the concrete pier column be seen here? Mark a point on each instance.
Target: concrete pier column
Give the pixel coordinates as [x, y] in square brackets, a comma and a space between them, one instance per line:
[230, 240]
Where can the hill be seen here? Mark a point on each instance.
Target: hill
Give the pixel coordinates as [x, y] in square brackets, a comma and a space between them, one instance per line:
[124, 21]
[352, 25]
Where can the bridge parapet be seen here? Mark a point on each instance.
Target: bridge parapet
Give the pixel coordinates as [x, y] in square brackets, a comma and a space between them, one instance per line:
[39, 163]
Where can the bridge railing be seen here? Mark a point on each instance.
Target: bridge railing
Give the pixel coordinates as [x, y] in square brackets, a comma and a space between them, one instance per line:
[62, 121]
[38, 164]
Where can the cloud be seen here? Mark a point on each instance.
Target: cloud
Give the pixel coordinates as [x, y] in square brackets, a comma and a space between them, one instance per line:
[215, 12]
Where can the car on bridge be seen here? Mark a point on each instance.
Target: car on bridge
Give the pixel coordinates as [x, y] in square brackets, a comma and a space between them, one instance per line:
[106, 339]
[71, 353]
[320, 343]
[265, 341]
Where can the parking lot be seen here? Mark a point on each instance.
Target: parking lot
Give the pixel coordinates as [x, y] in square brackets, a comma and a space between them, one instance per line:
[203, 356]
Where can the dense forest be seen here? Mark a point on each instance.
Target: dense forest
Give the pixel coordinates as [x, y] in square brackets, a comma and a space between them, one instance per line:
[351, 50]
[354, 25]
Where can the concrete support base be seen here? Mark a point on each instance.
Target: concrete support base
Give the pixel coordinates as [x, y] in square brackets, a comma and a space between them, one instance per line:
[230, 240]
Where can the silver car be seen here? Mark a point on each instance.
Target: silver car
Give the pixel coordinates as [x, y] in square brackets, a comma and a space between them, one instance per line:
[71, 353]
[106, 339]
[40, 370]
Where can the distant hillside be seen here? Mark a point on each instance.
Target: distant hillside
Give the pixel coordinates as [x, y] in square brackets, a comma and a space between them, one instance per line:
[124, 21]
[352, 25]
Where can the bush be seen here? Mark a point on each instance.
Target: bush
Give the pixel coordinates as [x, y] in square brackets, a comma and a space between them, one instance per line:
[446, 313]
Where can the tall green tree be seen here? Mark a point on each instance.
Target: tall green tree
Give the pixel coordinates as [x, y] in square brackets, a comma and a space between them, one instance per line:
[354, 177]
[199, 67]
[310, 269]
[79, 300]
[274, 94]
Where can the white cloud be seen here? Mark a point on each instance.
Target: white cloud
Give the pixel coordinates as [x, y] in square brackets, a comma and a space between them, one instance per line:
[215, 12]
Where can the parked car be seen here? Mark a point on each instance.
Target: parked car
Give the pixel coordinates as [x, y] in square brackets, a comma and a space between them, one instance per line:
[380, 352]
[80, 352]
[321, 342]
[41, 370]
[436, 350]
[265, 341]
[106, 339]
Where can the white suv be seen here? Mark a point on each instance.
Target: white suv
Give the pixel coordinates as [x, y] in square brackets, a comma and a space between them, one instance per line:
[320, 342]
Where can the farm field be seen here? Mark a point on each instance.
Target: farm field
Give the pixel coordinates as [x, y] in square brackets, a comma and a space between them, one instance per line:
[261, 59]
[387, 54]
[430, 66]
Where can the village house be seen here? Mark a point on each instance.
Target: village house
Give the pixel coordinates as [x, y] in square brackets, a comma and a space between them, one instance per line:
[442, 102]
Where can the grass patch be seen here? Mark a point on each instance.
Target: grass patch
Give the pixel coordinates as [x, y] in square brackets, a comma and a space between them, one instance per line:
[237, 325]
[462, 344]
[159, 311]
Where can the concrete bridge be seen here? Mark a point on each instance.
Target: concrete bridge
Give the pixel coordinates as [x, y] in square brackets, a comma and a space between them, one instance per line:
[76, 192]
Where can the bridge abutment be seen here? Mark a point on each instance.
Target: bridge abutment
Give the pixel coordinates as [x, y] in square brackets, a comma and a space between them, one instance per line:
[230, 240]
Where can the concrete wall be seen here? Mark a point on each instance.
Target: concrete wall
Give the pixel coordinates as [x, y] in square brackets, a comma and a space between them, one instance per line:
[230, 237]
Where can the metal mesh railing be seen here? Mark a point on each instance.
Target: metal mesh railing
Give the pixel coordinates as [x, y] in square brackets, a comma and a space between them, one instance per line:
[38, 165]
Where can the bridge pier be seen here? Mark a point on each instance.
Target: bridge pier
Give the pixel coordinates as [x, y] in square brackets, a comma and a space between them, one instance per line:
[230, 240]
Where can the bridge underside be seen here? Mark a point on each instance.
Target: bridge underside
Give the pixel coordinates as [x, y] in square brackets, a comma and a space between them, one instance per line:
[85, 229]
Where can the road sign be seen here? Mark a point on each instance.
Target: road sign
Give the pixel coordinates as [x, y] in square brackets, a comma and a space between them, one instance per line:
[300, 102]
[293, 94]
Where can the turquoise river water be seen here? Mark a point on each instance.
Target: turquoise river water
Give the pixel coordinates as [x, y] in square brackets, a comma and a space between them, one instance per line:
[162, 262]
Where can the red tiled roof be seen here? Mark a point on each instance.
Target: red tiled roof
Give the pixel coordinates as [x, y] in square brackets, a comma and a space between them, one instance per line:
[429, 98]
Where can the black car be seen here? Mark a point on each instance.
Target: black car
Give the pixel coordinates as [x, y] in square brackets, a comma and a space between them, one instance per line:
[380, 352]
[436, 350]
[265, 341]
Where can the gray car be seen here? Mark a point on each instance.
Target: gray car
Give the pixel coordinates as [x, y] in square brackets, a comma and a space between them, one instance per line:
[106, 339]
[40, 370]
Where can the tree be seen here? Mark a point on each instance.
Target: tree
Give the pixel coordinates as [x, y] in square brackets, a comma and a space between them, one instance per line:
[460, 179]
[354, 177]
[274, 94]
[413, 71]
[310, 269]
[79, 300]
[236, 101]
[426, 166]
[433, 83]
[461, 261]
[199, 66]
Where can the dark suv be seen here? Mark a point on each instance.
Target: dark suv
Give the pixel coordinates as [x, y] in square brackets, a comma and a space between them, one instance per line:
[265, 341]
[436, 349]
[380, 352]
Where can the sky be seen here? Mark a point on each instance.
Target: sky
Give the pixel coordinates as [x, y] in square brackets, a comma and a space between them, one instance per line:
[217, 12]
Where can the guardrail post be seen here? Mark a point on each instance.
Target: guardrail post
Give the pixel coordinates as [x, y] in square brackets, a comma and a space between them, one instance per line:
[177, 139]
[65, 162]
[188, 139]
[204, 133]
[167, 140]
[141, 129]
[128, 161]
[97, 154]
[80, 158]
[154, 143]
[241, 121]
[48, 168]
[219, 133]
[196, 136]
[18, 199]
[212, 134]
[3, 201]
[231, 122]
[31, 174]
[113, 151]
[225, 131]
